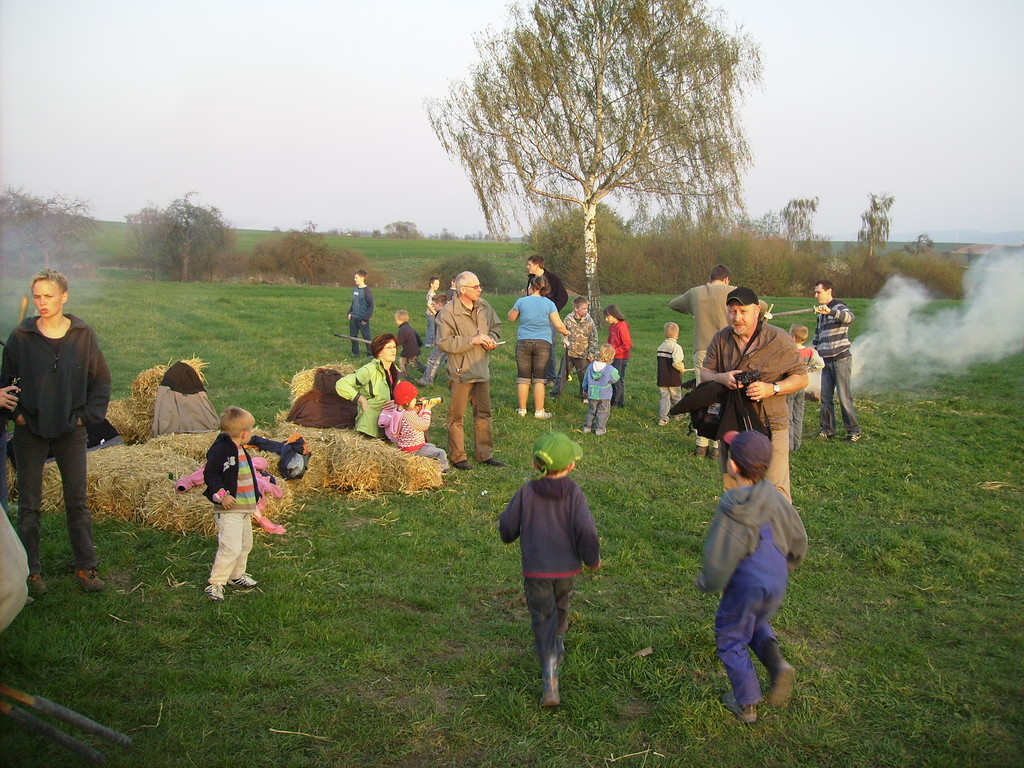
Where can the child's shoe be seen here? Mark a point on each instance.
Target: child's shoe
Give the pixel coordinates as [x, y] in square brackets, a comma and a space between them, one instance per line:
[245, 580]
[215, 592]
[745, 713]
[587, 429]
[662, 422]
[37, 585]
[521, 411]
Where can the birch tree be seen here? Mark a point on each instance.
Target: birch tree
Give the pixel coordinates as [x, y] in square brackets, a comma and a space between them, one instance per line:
[580, 99]
[798, 219]
[874, 230]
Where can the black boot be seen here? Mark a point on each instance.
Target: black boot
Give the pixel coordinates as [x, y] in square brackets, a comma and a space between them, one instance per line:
[549, 669]
[780, 671]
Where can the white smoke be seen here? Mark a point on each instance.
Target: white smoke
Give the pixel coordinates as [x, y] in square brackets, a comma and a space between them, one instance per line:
[906, 344]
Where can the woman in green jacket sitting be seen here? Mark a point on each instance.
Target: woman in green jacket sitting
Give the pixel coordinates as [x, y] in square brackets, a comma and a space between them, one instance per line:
[373, 385]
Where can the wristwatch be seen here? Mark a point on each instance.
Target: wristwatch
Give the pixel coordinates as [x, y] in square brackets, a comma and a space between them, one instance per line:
[776, 388]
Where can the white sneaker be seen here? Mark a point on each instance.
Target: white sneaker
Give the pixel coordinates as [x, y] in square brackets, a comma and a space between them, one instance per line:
[662, 422]
[215, 592]
[245, 580]
[521, 411]
[542, 415]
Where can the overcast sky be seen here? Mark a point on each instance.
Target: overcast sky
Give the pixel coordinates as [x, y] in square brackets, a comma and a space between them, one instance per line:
[283, 112]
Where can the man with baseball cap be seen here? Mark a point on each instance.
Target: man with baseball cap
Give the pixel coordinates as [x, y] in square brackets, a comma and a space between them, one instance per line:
[750, 344]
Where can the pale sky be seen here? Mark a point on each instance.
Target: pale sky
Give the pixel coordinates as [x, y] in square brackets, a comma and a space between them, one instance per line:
[278, 113]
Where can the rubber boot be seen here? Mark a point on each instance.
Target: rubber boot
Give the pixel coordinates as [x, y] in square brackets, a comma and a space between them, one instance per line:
[781, 673]
[550, 672]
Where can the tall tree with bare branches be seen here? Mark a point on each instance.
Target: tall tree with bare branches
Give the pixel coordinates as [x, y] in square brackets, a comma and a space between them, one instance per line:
[580, 99]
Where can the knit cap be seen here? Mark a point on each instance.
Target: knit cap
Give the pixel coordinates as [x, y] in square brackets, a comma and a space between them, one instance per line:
[405, 392]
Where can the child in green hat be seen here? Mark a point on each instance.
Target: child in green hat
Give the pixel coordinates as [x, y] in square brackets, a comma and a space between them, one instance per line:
[550, 517]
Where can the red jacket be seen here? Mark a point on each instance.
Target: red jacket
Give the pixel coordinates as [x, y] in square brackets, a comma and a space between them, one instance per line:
[618, 337]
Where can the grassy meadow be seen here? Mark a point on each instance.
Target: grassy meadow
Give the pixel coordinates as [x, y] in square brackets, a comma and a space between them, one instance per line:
[402, 260]
[391, 630]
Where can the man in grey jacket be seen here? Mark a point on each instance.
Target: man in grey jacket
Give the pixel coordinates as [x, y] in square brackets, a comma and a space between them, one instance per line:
[468, 329]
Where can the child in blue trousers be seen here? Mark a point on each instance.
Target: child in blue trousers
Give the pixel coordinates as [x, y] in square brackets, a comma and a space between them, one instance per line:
[754, 540]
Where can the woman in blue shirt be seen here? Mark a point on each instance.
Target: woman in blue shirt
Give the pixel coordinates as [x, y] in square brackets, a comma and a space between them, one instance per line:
[536, 315]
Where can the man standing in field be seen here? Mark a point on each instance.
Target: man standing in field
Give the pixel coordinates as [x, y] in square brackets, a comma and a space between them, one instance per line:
[707, 305]
[558, 295]
[831, 340]
[360, 312]
[467, 330]
[750, 344]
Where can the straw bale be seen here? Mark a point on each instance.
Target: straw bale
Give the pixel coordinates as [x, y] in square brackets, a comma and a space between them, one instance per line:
[143, 399]
[302, 382]
[135, 483]
[192, 445]
[343, 460]
[182, 513]
[132, 425]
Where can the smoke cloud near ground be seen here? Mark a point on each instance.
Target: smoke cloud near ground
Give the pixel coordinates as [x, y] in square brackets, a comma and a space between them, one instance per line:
[907, 345]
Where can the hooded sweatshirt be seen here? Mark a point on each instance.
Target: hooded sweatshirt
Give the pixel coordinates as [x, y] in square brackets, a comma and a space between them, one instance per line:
[556, 531]
[735, 532]
[599, 378]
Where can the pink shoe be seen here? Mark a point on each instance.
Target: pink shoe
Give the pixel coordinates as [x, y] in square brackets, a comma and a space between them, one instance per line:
[270, 527]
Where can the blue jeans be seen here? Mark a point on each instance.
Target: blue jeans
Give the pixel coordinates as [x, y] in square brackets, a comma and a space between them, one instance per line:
[69, 452]
[556, 341]
[434, 362]
[835, 378]
[431, 330]
[358, 328]
[619, 387]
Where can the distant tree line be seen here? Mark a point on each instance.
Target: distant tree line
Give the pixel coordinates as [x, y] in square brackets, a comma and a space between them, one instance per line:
[778, 254]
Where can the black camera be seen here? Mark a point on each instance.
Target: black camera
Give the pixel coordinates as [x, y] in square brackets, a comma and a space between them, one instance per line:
[743, 378]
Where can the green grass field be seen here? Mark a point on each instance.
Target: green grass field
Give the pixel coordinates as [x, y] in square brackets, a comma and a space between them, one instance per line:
[403, 260]
[391, 630]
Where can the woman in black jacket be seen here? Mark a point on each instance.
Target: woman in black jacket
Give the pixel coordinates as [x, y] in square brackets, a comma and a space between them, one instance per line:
[64, 383]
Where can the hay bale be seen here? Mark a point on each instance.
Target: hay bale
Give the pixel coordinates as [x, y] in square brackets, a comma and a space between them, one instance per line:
[143, 399]
[302, 382]
[119, 479]
[130, 423]
[192, 445]
[135, 483]
[343, 460]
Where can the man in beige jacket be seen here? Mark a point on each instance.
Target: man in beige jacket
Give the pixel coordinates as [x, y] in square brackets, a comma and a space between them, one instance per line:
[467, 330]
